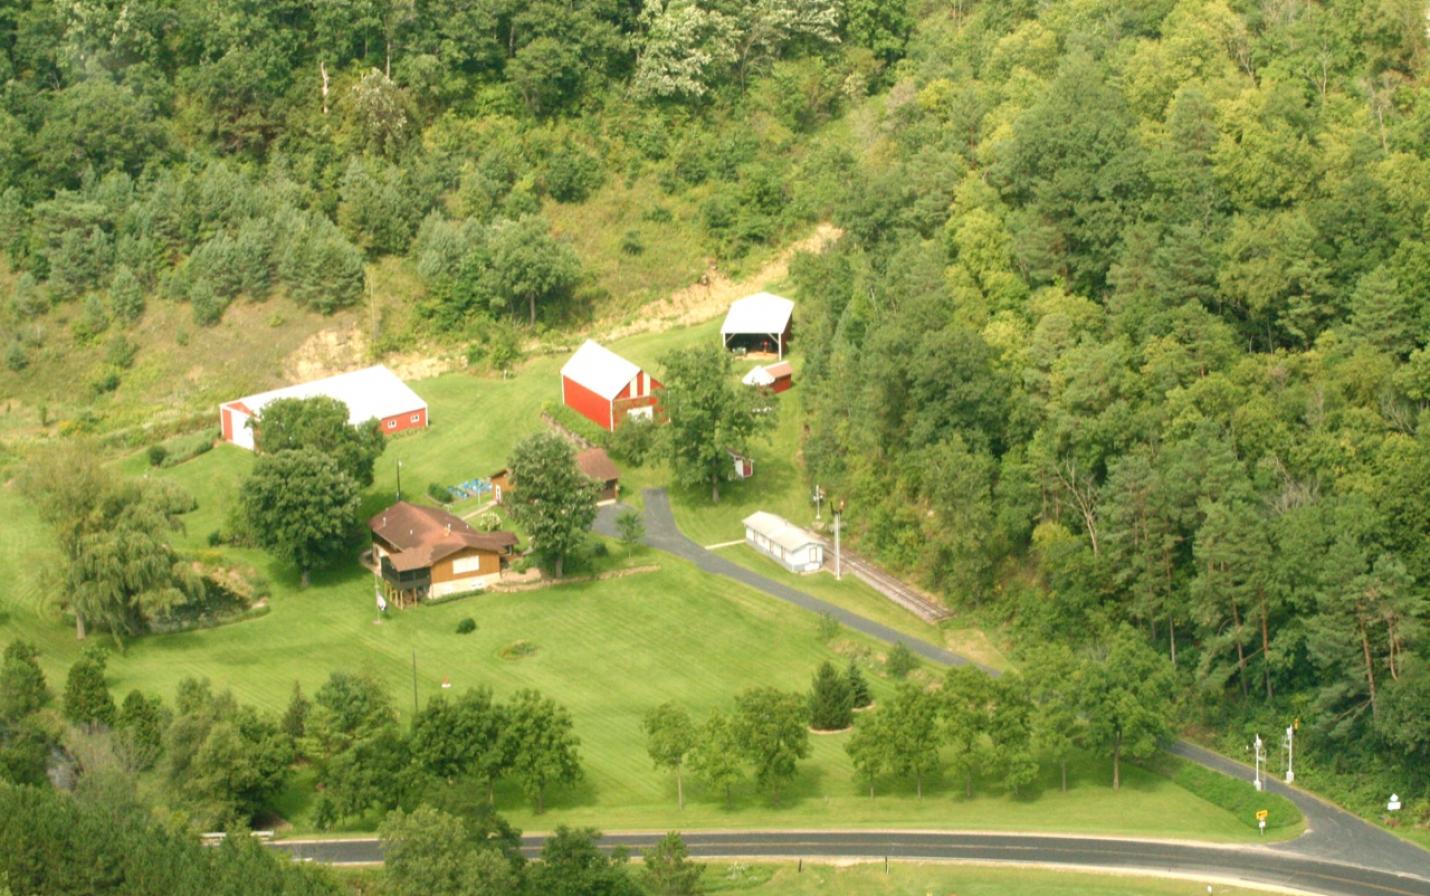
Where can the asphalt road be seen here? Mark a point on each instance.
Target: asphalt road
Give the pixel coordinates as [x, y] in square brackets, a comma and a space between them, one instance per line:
[1250, 864]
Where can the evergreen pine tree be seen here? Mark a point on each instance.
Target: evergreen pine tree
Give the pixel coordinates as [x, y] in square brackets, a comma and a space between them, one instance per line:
[126, 295]
[831, 701]
[858, 686]
[139, 731]
[22, 684]
[87, 701]
[295, 718]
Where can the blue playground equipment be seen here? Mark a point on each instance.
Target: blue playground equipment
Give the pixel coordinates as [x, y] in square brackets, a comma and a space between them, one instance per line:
[472, 488]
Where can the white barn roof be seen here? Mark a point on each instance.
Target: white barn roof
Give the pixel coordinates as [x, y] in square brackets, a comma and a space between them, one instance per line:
[758, 376]
[762, 313]
[779, 530]
[374, 392]
[599, 369]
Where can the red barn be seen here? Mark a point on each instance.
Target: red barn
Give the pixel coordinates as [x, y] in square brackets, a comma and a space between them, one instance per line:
[605, 388]
[374, 393]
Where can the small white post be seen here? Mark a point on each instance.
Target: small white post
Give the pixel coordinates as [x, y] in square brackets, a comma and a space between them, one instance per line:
[838, 571]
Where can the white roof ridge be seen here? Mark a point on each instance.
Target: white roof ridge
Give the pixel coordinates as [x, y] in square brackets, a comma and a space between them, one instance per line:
[763, 313]
[370, 393]
[780, 530]
[599, 369]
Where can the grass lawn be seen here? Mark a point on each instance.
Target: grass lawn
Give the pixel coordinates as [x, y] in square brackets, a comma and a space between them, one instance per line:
[608, 650]
[912, 879]
[923, 879]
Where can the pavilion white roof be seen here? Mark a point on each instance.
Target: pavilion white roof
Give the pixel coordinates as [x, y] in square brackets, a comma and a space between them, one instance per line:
[762, 313]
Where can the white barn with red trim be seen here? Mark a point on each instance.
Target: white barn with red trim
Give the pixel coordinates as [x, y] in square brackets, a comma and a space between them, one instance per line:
[374, 393]
[605, 388]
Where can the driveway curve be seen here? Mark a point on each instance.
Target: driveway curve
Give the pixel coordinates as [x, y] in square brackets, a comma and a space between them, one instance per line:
[662, 533]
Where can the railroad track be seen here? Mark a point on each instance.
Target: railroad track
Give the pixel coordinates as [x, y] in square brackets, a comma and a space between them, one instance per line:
[922, 606]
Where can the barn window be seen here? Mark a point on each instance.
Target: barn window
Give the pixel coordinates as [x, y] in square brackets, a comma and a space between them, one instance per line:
[392, 424]
[416, 418]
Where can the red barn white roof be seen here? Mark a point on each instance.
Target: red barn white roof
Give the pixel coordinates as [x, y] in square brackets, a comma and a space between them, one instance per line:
[762, 313]
[599, 369]
[374, 392]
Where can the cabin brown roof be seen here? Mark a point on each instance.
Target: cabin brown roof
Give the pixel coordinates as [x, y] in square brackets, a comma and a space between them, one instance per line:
[780, 370]
[423, 536]
[597, 465]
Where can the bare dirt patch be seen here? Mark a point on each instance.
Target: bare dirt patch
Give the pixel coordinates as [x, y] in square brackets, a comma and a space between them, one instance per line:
[713, 293]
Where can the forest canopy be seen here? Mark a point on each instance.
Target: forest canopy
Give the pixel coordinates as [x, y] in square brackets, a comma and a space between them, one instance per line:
[1129, 325]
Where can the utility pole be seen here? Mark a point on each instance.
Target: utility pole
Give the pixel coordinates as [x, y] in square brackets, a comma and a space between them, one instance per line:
[399, 480]
[1259, 749]
[838, 568]
[818, 500]
[414, 682]
[1290, 753]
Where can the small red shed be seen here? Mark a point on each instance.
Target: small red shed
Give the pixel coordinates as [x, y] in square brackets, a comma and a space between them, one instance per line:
[775, 377]
[605, 388]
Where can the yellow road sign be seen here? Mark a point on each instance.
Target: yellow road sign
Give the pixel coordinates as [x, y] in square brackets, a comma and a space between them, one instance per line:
[1261, 814]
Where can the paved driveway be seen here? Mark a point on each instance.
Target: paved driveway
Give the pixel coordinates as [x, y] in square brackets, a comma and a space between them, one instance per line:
[662, 533]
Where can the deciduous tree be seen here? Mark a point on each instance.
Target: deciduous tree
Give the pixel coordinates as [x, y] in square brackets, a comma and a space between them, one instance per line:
[772, 729]
[1128, 700]
[670, 736]
[552, 500]
[300, 505]
[541, 744]
[320, 424]
[710, 413]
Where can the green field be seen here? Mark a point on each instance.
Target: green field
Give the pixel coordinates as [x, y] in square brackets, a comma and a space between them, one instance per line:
[608, 650]
[923, 879]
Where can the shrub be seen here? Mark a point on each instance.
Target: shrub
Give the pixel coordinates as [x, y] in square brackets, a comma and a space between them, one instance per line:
[572, 174]
[438, 492]
[120, 352]
[466, 626]
[599, 550]
[828, 627]
[516, 650]
[901, 661]
[157, 454]
[632, 243]
[657, 213]
[105, 384]
[15, 357]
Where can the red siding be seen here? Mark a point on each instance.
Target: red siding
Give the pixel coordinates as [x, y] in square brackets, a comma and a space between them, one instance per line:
[781, 383]
[226, 421]
[402, 422]
[586, 403]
